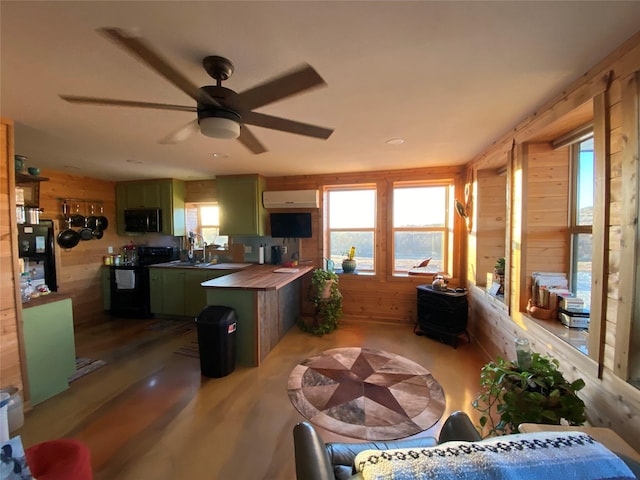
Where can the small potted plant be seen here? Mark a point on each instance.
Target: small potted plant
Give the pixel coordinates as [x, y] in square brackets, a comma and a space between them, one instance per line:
[326, 298]
[349, 263]
[537, 394]
[498, 272]
[498, 268]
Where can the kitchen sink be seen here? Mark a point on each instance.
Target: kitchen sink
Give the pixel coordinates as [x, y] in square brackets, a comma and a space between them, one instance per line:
[216, 266]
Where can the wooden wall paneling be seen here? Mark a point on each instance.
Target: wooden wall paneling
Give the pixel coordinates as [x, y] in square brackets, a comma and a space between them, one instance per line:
[491, 222]
[382, 297]
[200, 191]
[600, 235]
[547, 203]
[518, 219]
[629, 225]
[12, 359]
[79, 268]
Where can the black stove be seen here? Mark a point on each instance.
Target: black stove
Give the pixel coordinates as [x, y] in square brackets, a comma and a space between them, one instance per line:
[130, 295]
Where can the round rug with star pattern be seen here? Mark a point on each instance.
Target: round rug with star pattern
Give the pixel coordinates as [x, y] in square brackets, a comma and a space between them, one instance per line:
[365, 393]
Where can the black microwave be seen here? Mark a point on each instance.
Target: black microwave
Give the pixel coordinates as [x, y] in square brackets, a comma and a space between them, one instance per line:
[142, 220]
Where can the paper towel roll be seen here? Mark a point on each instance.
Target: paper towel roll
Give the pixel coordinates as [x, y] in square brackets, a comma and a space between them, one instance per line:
[261, 255]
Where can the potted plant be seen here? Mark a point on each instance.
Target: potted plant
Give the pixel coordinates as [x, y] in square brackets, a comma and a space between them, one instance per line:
[498, 268]
[498, 272]
[349, 263]
[537, 394]
[327, 301]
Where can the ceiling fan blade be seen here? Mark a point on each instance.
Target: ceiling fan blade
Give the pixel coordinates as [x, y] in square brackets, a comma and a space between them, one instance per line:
[299, 80]
[181, 134]
[139, 48]
[126, 103]
[291, 126]
[250, 141]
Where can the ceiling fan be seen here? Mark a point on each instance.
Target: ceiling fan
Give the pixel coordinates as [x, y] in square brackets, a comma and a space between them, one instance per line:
[221, 112]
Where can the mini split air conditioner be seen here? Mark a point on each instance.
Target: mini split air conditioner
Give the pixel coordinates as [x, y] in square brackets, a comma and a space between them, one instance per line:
[291, 199]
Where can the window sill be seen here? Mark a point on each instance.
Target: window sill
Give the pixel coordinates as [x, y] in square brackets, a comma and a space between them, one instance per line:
[578, 338]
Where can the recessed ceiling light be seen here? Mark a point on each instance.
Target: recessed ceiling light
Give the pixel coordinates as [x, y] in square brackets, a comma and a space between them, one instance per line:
[219, 155]
[395, 141]
[137, 162]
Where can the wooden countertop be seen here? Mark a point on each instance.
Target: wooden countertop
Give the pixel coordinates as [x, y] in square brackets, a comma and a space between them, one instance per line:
[258, 277]
[45, 299]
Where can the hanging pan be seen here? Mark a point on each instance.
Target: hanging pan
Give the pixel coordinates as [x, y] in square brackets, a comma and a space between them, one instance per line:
[68, 238]
[85, 232]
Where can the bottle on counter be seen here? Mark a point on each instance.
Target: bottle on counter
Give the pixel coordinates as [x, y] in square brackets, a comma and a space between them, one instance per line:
[26, 289]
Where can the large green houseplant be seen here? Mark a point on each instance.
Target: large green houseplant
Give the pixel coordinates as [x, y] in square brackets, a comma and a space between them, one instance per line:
[326, 298]
[537, 394]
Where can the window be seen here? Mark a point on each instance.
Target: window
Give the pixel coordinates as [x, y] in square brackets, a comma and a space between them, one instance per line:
[351, 214]
[581, 218]
[204, 219]
[420, 225]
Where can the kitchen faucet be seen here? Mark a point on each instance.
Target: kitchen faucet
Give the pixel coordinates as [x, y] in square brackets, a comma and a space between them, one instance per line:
[192, 241]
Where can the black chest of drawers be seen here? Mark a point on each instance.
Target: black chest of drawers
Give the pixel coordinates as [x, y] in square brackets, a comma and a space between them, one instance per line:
[442, 315]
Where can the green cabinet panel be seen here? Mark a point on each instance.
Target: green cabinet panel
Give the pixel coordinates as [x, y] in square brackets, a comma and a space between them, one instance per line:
[177, 292]
[241, 209]
[166, 194]
[155, 290]
[50, 350]
[106, 288]
[173, 292]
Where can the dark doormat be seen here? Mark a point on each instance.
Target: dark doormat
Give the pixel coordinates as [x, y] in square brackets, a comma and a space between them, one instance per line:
[84, 366]
[189, 350]
[177, 327]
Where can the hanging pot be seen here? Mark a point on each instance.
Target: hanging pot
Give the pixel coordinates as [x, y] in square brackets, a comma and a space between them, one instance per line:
[103, 223]
[91, 222]
[77, 220]
[32, 215]
[68, 238]
[97, 234]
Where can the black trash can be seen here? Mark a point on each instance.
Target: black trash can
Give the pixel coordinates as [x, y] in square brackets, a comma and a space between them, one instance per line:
[216, 326]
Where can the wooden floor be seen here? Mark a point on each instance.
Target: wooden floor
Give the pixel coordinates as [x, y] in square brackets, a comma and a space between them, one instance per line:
[150, 414]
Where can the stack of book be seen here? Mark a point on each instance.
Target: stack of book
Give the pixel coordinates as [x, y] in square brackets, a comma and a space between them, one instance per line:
[572, 313]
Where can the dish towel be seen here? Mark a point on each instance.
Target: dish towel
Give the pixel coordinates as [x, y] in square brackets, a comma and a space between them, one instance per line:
[125, 279]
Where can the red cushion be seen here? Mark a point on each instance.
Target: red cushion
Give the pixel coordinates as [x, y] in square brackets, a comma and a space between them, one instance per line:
[64, 459]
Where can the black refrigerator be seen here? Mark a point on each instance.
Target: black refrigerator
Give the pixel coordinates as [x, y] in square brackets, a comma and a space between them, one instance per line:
[37, 251]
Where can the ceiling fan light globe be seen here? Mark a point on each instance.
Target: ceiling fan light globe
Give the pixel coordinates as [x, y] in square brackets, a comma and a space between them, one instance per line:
[218, 127]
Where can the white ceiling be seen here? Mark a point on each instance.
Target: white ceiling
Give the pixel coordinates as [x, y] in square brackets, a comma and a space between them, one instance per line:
[447, 77]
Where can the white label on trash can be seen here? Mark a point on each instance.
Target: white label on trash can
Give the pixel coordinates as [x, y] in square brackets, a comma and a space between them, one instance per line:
[231, 328]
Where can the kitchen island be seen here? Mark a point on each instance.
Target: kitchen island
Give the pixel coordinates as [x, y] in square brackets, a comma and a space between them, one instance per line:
[267, 300]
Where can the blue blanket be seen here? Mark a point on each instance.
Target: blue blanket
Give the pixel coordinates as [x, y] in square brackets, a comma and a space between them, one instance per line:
[525, 456]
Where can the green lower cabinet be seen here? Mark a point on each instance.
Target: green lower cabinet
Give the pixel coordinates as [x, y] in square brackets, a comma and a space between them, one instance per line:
[106, 288]
[49, 348]
[195, 296]
[173, 292]
[176, 292]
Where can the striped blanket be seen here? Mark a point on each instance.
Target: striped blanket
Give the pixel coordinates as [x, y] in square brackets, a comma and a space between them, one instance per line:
[525, 456]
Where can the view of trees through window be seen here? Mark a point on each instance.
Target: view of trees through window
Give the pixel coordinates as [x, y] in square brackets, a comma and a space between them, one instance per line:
[352, 222]
[418, 228]
[204, 219]
[419, 225]
[581, 222]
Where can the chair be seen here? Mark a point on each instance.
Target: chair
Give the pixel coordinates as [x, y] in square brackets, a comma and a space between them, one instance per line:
[316, 460]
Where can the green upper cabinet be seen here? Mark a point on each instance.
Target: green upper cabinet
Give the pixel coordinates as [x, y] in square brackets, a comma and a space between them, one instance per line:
[241, 209]
[166, 194]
